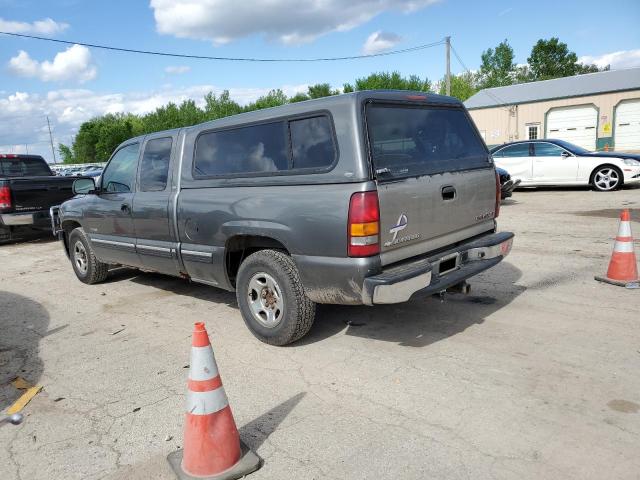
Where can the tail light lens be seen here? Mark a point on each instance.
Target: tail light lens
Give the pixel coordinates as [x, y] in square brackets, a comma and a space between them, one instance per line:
[5, 197]
[364, 225]
[498, 195]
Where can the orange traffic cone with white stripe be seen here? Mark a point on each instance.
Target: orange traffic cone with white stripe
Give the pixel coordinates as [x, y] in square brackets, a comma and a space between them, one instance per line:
[623, 268]
[212, 446]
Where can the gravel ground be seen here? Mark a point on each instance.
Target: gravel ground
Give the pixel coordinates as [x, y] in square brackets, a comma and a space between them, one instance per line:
[533, 375]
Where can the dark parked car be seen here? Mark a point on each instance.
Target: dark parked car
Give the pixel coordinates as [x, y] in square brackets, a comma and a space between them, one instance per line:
[28, 188]
[363, 198]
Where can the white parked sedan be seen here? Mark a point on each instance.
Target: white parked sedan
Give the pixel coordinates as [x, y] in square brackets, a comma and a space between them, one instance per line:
[556, 162]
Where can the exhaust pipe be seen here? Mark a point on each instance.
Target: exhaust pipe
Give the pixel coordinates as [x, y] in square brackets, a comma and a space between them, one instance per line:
[462, 287]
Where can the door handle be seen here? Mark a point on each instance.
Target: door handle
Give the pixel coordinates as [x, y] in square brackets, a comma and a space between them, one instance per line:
[448, 193]
[125, 208]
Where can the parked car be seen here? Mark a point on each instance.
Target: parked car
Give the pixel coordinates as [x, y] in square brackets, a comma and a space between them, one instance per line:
[507, 185]
[363, 198]
[556, 162]
[28, 188]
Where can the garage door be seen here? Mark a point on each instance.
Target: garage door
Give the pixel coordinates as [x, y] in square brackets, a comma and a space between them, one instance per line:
[577, 125]
[627, 128]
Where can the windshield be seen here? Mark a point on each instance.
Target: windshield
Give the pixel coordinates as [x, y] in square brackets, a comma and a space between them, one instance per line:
[421, 140]
[24, 167]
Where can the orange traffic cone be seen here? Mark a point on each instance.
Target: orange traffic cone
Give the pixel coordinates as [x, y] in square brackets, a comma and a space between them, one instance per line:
[212, 445]
[623, 269]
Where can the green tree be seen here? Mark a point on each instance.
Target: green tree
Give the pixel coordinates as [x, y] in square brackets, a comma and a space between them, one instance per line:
[389, 81]
[497, 66]
[66, 154]
[462, 86]
[220, 106]
[321, 90]
[551, 59]
[274, 98]
[299, 97]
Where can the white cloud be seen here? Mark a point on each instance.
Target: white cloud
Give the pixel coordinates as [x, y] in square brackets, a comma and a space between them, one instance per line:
[619, 59]
[177, 69]
[287, 21]
[74, 64]
[23, 122]
[46, 26]
[379, 42]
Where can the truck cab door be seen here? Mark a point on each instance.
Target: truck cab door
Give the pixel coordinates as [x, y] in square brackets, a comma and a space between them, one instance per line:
[155, 240]
[107, 217]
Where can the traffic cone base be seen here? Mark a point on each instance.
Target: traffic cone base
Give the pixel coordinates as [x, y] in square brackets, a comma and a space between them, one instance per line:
[249, 462]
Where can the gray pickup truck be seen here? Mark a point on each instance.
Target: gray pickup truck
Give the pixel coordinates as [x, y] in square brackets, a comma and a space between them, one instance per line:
[364, 198]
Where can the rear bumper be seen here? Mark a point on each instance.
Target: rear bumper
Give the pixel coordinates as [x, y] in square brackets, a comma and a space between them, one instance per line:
[429, 275]
[38, 219]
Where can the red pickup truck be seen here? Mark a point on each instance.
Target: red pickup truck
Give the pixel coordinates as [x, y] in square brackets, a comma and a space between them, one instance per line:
[28, 188]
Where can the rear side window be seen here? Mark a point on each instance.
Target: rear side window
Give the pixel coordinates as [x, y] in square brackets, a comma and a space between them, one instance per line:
[312, 143]
[518, 150]
[24, 167]
[408, 140]
[253, 149]
[154, 168]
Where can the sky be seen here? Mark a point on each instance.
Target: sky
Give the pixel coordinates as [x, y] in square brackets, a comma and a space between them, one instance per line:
[71, 83]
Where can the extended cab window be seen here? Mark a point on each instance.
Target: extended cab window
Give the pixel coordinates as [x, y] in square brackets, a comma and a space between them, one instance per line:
[416, 140]
[312, 142]
[253, 149]
[154, 168]
[120, 174]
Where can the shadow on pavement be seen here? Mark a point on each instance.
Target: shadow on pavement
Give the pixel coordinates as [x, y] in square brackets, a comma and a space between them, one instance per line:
[257, 431]
[423, 320]
[23, 323]
[417, 323]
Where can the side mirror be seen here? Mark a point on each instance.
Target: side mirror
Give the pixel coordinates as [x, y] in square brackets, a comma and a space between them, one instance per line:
[84, 186]
[565, 154]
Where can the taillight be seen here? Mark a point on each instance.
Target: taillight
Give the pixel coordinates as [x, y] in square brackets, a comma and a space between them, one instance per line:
[498, 195]
[5, 197]
[364, 225]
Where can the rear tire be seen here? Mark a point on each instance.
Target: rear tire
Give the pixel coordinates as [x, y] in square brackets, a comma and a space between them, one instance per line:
[606, 178]
[271, 298]
[86, 266]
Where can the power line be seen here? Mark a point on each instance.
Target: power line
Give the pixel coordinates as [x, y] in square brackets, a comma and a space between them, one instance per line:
[228, 59]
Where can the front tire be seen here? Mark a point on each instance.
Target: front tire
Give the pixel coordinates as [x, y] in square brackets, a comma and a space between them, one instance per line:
[606, 178]
[271, 298]
[86, 266]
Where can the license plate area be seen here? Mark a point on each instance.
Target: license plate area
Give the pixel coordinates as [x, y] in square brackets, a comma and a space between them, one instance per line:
[448, 264]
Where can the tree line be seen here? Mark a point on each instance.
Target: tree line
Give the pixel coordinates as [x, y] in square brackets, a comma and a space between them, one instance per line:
[98, 137]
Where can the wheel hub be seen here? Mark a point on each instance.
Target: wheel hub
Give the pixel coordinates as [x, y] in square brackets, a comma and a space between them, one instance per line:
[265, 300]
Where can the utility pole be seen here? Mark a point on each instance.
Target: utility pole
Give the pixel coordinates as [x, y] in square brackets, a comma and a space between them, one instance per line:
[26, 146]
[53, 152]
[448, 76]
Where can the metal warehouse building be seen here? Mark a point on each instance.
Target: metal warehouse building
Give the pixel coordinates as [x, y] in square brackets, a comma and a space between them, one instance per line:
[596, 110]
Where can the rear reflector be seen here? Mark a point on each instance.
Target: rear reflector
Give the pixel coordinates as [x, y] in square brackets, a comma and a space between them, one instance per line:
[5, 197]
[364, 225]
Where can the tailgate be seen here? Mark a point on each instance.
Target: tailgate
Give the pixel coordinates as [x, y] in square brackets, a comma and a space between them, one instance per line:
[39, 193]
[436, 182]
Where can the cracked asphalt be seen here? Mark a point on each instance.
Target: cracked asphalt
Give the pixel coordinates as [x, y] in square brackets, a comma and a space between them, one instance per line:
[533, 375]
